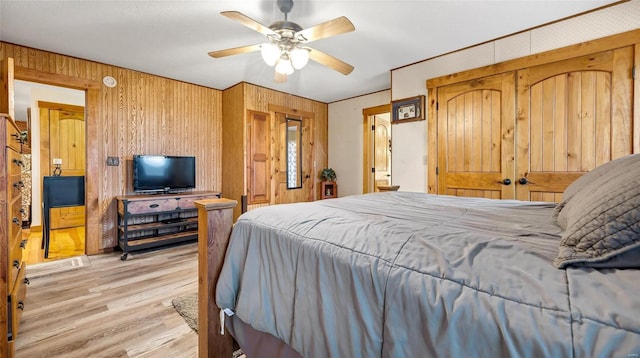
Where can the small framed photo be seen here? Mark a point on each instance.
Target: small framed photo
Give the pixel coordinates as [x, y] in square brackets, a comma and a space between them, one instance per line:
[407, 109]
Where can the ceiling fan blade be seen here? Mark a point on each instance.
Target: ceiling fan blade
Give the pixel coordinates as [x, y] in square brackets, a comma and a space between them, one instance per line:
[234, 51]
[329, 61]
[337, 26]
[248, 22]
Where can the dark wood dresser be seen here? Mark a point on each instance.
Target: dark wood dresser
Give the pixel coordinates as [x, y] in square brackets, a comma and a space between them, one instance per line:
[13, 280]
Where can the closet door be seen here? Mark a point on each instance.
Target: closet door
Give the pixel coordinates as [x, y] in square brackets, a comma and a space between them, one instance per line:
[573, 115]
[476, 137]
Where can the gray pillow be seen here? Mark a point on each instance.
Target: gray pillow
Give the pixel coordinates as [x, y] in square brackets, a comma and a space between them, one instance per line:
[627, 259]
[609, 168]
[602, 220]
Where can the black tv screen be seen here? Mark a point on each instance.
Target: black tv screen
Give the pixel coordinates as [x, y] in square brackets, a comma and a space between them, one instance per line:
[164, 173]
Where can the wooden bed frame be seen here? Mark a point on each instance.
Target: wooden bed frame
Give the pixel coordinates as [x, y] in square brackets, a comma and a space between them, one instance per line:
[215, 220]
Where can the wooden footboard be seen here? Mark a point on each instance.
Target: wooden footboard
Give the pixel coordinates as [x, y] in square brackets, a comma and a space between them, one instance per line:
[215, 219]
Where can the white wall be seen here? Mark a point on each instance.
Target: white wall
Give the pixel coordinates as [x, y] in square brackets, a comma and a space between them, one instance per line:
[345, 139]
[43, 93]
[409, 155]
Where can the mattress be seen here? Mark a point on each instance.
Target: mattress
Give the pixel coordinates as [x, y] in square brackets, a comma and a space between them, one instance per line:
[399, 274]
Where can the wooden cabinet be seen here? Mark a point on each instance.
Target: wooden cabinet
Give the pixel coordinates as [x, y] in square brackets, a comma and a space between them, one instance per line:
[329, 190]
[151, 221]
[13, 279]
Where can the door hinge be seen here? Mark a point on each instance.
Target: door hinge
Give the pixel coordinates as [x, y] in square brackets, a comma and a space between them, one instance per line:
[373, 170]
[633, 72]
[437, 170]
[437, 104]
[373, 127]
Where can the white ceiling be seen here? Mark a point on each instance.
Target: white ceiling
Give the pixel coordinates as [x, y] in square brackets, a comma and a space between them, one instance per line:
[172, 38]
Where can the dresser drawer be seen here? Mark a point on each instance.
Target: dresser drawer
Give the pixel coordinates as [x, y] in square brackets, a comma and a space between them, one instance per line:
[17, 297]
[15, 163]
[13, 137]
[148, 206]
[14, 225]
[14, 186]
[16, 248]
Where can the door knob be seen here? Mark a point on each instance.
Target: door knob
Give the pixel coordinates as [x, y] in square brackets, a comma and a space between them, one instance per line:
[524, 181]
[505, 181]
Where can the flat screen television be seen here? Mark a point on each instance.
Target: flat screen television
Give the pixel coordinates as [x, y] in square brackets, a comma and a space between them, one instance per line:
[163, 173]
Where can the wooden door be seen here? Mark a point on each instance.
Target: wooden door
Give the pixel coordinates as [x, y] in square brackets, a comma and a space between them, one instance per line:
[382, 151]
[259, 158]
[62, 136]
[369, 116]
[476, 137]
[305, 192]
[573, 116]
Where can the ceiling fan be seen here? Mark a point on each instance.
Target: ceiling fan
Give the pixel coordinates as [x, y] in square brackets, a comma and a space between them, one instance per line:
[286, 42]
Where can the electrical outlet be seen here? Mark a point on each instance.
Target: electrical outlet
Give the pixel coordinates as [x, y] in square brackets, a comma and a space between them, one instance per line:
[113, 161]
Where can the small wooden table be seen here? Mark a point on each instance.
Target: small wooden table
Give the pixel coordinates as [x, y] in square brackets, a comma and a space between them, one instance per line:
[329, 189]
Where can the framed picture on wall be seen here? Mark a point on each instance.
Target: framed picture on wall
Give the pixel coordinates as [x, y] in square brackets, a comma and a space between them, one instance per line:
[407, 110]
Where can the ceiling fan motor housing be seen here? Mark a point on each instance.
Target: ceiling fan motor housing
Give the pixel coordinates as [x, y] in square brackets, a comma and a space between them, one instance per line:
[285, 6]
[286, 30]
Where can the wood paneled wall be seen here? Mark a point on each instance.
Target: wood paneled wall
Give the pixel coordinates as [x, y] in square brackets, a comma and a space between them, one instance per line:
[237, 100]
[259, 98]
[143, 114]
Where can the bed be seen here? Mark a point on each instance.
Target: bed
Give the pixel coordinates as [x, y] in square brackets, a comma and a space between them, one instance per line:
[399, 274]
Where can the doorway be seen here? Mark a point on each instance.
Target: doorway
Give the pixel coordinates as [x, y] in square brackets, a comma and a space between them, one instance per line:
[377, 148]
[44, 106]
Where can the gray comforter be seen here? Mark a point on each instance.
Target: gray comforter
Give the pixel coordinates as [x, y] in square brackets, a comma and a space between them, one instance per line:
[400, 274]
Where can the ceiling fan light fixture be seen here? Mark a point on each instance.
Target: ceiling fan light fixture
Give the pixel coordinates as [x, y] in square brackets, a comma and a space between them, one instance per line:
[284, 66]
[270, 53]
[285, 46]
[299, 57]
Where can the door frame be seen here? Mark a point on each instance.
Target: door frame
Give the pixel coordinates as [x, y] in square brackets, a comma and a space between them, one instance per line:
[368, 178]
[56, 214]
[91, 107]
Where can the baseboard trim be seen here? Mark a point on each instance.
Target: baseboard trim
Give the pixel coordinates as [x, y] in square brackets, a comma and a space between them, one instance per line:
[37, 228]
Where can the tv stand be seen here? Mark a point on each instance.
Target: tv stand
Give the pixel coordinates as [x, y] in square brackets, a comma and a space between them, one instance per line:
[155, 220]
[173, 221]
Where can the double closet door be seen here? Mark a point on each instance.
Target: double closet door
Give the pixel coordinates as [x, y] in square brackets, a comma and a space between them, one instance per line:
[528, 134]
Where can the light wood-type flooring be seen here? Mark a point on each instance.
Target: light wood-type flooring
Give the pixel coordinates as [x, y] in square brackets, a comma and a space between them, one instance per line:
[112, 308]
[63, 243]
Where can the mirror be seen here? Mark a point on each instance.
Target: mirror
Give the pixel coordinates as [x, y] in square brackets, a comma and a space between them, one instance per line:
[294, 153]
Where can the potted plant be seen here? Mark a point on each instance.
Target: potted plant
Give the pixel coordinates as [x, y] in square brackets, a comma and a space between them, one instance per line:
[328, 174]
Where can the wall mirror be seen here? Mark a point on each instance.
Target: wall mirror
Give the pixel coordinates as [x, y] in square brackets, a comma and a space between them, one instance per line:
[294, 153]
